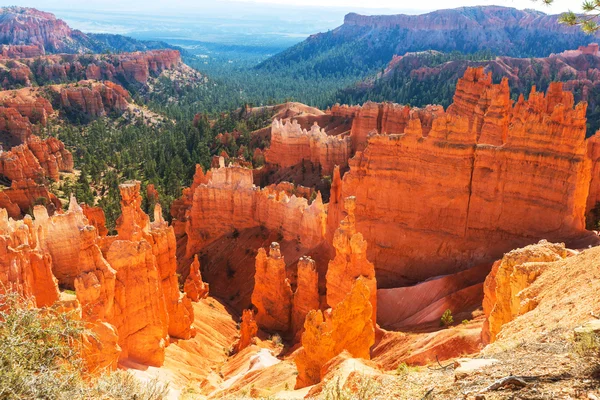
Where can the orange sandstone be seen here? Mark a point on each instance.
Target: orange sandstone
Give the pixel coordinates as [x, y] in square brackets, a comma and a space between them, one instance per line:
[347, 327]
[272, 295]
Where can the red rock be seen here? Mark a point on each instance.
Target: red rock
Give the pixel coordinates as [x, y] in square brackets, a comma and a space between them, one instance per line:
[21, 51]
[306, 296]
[404, 307]
[471, 201]
[248, 331]
[194, 288]
[24, 267]
[272, 295]
[14, 128]
[96, 218]
[516, 271]
[93, 98]
[348, 327]
[350, 262]
[20, 25]
[226, 199]
[290, 144]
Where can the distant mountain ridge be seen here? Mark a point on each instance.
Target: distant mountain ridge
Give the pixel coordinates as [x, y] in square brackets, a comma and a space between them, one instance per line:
[31, 27]
[363, 43]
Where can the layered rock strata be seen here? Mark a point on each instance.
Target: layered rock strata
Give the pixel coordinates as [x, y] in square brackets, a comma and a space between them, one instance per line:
[290, 145]
[248, 331]
[350, 262]
[194, 288]
[489, 176]
[225, 199]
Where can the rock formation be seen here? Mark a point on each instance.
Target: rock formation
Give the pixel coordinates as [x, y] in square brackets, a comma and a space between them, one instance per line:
[28, 26]
[226, 199]
[194, 288]
[516, 271]
[125, 284]
[24, 267]
[306, 296]
[347, 327]
[272, 295]
[248, 331]
[350, 262]
[290, 145]
[93, 98]
[409, 306]
[475, 181]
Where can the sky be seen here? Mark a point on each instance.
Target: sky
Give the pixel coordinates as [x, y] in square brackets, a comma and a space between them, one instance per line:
[211, 6]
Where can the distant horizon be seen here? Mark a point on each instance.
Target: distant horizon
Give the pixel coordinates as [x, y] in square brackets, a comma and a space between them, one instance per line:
[374, 7]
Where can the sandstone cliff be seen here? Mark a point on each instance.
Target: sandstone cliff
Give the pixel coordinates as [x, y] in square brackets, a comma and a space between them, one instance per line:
[290, 145]
[24, 266]
[483, 180]
[125, 284]
[350, 262]
[225, 199]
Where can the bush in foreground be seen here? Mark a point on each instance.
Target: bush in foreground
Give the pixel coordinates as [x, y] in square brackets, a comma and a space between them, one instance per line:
[40, 358]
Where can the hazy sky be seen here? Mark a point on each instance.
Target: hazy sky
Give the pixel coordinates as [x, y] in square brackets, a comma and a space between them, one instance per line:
[385, 6]
[558, 6]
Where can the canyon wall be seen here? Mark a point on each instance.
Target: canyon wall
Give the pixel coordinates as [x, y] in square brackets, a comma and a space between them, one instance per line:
[225, 200]
[290, 145]
[135, 68]
[487, 177]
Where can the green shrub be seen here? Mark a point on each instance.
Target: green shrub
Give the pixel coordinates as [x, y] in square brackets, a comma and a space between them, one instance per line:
[40, 358]
[447, 318]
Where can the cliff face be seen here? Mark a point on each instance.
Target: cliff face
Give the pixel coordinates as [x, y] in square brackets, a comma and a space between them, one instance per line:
[350, 262]
[27, 26]
[290, 145]
[136, 67]
[24, 267]
[487, 177]
[225, 199]
[93, 99]
[25, 159]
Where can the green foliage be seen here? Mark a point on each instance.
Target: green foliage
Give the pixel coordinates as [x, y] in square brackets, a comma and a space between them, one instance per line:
[40, 358]
[588, 21]
[447, 318]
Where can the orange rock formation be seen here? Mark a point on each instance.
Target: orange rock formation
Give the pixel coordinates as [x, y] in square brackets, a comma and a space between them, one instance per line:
[248, 331]
[226, 199]
[306, 296]
[486, 178]
[347, 327]
[272, 295]
[194, 288]
[350, 262]
[24, 267]
[516, 271]
[290, 145]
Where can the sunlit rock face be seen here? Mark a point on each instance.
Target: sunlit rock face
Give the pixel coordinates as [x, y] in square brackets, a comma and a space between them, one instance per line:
[348, 326]
[489, 176]
[516, 271]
